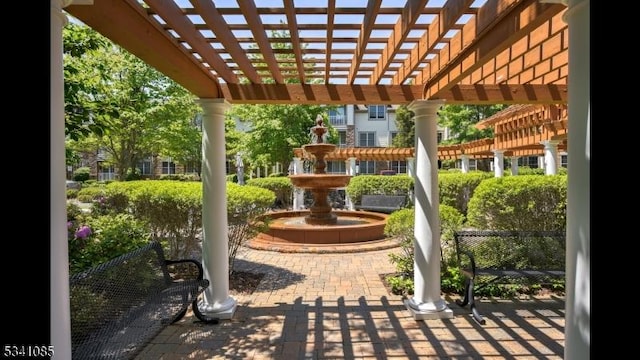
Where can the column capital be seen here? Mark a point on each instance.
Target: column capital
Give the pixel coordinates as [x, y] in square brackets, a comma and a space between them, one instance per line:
[213, 106]
[573, 7]
[550, 143]
[497, 152]
[428, 107]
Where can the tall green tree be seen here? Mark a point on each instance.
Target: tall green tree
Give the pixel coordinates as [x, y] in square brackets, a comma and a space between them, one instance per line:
[275, 130]
[83, 115]
[461, 121]
[406, 128]
[138, 107]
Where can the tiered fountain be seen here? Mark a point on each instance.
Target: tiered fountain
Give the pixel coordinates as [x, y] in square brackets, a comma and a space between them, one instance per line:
[320, 225]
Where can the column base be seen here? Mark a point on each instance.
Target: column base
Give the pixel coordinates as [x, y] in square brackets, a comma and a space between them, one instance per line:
[222, 311]
[428, 311]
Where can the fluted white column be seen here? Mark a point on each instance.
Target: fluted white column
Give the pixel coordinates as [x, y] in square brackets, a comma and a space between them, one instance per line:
[215, 239]
[578, 265]
[464, 161]
[550, 156]
[498, 163]
[298, 193]
[514, 165]
[60, 317]
[427, 302]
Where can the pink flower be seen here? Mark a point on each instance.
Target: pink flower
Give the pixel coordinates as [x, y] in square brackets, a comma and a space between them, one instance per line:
[83, 232]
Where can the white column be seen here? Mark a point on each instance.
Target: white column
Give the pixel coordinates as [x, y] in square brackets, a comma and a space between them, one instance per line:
[350, 115]
[541, 162]
[514, 165]
[498, 163]
[411, 166]
[298, 193]
[427, 302]
[464, 159]
[550, 156]
[578, 278]
[411, 171]
[60, 317]
[351, 170]
[215, 239]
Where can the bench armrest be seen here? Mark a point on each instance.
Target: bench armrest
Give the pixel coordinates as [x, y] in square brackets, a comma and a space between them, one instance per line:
[472, 262]
[192, 261]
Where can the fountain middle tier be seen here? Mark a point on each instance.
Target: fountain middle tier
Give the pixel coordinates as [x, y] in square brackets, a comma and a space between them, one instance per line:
[320, 185]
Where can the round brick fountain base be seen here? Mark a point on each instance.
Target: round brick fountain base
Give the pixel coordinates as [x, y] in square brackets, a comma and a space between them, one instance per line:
[353, 231]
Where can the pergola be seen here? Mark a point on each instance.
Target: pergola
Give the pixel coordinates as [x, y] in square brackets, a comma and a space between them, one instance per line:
[424, 53]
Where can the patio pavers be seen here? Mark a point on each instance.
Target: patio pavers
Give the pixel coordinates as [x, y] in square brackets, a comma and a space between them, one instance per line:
[334, 306]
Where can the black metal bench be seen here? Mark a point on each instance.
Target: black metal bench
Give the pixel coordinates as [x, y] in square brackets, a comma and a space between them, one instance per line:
[382, 203]
[488, 256]
[119, 306]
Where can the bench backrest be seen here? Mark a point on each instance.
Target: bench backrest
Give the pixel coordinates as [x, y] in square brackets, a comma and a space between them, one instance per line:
[104, 293]
[391, 201]
[531, 250]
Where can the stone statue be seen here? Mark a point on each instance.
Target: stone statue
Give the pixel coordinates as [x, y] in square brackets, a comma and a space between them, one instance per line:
[319, 131]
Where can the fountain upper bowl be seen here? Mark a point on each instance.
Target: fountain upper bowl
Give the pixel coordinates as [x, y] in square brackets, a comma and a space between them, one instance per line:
[320, 181]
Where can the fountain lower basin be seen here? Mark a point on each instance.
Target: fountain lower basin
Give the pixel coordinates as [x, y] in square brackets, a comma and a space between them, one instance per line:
[350, 227]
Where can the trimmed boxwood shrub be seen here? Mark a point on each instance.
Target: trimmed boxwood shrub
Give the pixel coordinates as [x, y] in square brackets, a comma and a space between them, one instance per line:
[401, 224]
[281, 186]
[173, 210]
[82, 174]
[456, 189]
[523, 202]
[401, 184]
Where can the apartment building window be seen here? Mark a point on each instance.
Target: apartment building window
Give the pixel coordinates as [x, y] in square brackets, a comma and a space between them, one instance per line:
[528, 161]
[190, 167]
[106, 172]
[336, 167]
[168, 167]
[342, 139]
[336, 117]
[377, 112]
[367, 167]
[367, 139]
[440, 136]
[564, 161]
[145, 167]
[400, 167]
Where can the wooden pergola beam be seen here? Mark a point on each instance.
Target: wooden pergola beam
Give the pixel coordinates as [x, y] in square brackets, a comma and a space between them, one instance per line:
[328, 94]
[151, 43]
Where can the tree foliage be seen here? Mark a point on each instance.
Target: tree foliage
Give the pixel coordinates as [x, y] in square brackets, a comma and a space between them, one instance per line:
[461, 120]
[406, 128]
[83, 116]
[119, 104]
[275, 130]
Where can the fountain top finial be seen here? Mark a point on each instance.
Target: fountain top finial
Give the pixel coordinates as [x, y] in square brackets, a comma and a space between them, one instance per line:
[319, 131]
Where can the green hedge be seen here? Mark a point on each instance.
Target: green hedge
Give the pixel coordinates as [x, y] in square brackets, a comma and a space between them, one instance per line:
[173, 209]
[456, 189]
[523, 202]
[281, 186]
[379, 185]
